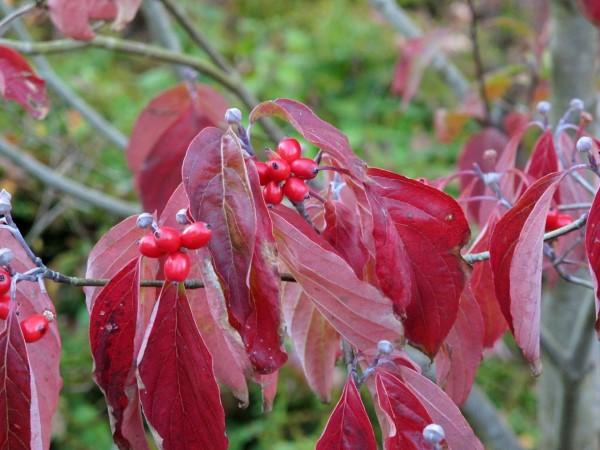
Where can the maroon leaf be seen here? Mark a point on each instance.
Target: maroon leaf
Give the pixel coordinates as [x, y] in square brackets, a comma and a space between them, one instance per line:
[404, 416]
[348, 427]
[43, 356]
[179, 394]
[111, 253]
[592, 247]
[162, 134]
[216, 181]
[442, 411]
[19, 83]
[113, 328]
[268, 388]
[72, 17]
[543, 159]
[516, 249]
[15, 393]
[358, 311]
[315, 341]
[433, 228]
[481, 284]
[314, 130]
[460, 355]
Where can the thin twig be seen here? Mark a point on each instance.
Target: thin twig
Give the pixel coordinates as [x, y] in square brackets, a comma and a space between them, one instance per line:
[6, 21]
[479, 69]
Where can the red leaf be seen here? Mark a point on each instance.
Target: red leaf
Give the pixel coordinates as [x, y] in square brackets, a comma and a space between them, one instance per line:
[433, 229]
[348, 427]
[16, 403]
[481, 284]
[162, 134]
[72, 17]
[111, 253]
[404, 415]
[543, 159]
[18, 82]
[314, 130]
[460, 355]
[516, 250]
[216, 181]
[315, 341]
[592, 248]
[179, 394]
[113, 322]
[358, 311]
[44, 355]
[442, 411]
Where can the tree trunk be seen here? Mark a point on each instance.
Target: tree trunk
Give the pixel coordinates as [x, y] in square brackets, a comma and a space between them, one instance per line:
[569, 396]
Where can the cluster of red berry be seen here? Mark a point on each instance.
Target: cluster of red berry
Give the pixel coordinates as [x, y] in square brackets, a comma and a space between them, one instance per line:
[285, 173]
[36, 325]
[169, 241]
[556, 220]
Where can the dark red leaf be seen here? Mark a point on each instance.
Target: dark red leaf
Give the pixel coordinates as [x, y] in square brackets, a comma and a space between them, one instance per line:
[433, 228]
[404, 415]
[19, 83]
[179, 394]
[216, 181]
[592, 247]
[162, 134]
[457, 362]
[113, 321]
[314, 130]
[516, 249]
[348, 427]
[543, 159]
[358, 311]
[315, 341]
[442, 411]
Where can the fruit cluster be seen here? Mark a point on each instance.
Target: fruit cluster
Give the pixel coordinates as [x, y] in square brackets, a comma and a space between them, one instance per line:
[285, 173]
[36, 325]
[169, 241]
[556, 220]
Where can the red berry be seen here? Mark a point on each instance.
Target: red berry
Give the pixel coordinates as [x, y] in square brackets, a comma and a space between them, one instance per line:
[148, 247]
[5, 281]
[556, 220]
[289, 149]
[177, 266]
[167, 239]
[279, 170]
[563, 220]
[263, 172]
[4, 306]
[295, 189]
[196, 235]
[34, 327]
[305, 168]
[273, 194]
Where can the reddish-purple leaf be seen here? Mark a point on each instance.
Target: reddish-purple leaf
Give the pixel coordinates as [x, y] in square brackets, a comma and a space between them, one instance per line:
[113, 321]
[442, 411]
[19, 83]
[592, 247]
[543, 159]
[178, 390]
[348, 427]
[433, 228]
[220, 193]
[315, 341]
[481, 284]
[112, 252]
[162, 134]
[315, 130]
[460, 355]
[404, 417]
[358, 311]
[44, 355]
[16, 403]
[72, 17]
[516, 249]
[268, 387]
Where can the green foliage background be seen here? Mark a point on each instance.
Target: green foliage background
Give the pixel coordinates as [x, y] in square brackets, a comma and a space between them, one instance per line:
[338, 57]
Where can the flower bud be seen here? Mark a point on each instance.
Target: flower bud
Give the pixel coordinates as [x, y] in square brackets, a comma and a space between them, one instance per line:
[5, 203]
[145, 220]
[577, 104]
[385, 347]
[585, 144]
[434, 434]
[181, 217]
[6, 256]
[544, 107]
[233, 116]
